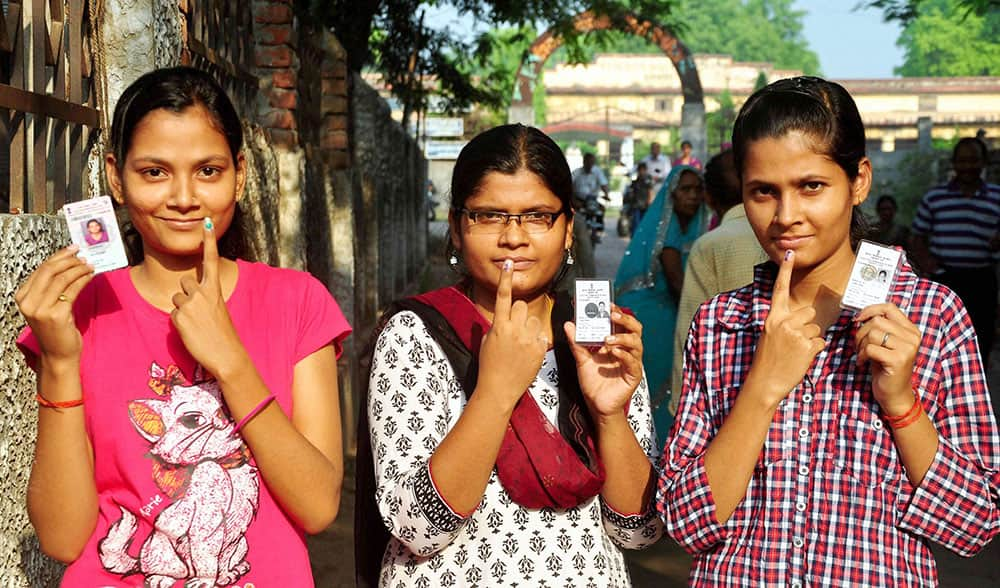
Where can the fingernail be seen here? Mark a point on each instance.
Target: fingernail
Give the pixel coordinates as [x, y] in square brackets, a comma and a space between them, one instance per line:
[610, 339]
[208, 223]
[616, 315]
[789, 254]
[508, 264]
[73, 247]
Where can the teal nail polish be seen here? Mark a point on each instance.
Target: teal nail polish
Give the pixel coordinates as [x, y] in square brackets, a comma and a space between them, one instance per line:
[208, 223]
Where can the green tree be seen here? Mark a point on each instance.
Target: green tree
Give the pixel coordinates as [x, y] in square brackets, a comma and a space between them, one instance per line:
[905, 11]
[719, 124]
[749, 30]
[418, 60]
[760, 82]
[944, 40]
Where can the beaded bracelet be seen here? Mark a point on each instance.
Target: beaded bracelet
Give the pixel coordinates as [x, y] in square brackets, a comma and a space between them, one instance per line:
[910, 417]
[42, 401]
[263, 404]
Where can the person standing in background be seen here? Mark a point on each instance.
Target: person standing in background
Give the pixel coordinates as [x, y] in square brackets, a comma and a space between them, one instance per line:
[722, 259]
[887, 231]
[588, 181]
[650, 276]
[685, 158]
[658, 166]
[640, 194]
[955, 238]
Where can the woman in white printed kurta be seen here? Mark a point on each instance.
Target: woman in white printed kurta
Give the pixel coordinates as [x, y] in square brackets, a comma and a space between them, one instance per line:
[414, 400]
[495, 450]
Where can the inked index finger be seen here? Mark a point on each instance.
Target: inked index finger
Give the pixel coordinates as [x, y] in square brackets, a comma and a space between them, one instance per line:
[783, 283]
[501, 310]
[210, 256]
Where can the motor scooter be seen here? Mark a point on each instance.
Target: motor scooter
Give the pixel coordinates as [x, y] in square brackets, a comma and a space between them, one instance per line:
[593, 212]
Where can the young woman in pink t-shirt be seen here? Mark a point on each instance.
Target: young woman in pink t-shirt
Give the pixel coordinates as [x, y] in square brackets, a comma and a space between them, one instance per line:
[189, 425]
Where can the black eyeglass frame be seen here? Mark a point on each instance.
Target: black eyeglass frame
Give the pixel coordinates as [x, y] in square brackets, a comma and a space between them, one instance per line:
[508, 216]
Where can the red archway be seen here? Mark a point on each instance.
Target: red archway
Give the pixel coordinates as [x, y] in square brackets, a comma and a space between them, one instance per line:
[693, 113]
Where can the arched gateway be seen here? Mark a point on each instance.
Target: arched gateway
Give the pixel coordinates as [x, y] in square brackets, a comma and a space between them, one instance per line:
[693, 111]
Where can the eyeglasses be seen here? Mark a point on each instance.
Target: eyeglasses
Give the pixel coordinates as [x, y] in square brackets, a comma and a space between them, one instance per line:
[493, 222]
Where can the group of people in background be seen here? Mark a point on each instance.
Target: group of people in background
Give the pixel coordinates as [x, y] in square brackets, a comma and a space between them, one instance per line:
[189, 427]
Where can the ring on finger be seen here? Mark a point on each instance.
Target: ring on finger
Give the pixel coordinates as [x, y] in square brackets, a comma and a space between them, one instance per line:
[885, 338]
[63, 298]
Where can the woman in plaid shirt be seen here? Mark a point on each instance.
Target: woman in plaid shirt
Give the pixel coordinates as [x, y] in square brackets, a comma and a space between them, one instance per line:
[815, 446]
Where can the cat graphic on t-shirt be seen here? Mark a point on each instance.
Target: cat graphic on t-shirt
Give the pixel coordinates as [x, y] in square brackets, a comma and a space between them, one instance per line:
[204, 468]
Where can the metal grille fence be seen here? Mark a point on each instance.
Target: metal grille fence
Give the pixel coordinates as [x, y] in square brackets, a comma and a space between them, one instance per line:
[48, 113]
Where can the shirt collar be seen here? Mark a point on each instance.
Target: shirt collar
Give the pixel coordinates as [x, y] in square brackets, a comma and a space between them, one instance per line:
[734, 213]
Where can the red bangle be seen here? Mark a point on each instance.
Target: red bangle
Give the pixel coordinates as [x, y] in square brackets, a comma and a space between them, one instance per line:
[911, 416]
[42, 401]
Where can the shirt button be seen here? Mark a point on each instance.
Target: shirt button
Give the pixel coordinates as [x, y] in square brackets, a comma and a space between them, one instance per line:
[803, 470]
[800, 506]
[877, 423]
[796, 584]
[803, 432]
[798, 542]
[807, 397]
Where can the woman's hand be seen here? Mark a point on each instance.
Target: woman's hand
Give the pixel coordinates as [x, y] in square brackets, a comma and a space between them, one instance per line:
[788, 345]
[609, 375]
[201, 317]
[46, 301]
[513, 350]
[889, 341]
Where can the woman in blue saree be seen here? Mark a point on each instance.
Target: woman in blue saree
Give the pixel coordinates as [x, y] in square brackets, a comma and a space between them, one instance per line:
[650, 275]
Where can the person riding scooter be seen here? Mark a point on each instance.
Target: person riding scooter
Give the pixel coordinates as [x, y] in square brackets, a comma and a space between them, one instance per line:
[588, 182]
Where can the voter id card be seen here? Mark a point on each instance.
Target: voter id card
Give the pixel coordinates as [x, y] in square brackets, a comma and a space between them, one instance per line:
[94, 228]
[874, 271]
[593, 310]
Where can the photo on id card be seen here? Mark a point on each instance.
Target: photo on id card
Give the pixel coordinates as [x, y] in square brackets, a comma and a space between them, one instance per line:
[872, 276]
[592, 310]
[94, 229]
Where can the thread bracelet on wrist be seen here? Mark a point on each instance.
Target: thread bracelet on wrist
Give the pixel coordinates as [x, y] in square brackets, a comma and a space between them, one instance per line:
[908, 418]
[46, 403]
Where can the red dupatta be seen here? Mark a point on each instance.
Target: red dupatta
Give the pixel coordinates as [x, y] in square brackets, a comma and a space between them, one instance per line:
[537, 465]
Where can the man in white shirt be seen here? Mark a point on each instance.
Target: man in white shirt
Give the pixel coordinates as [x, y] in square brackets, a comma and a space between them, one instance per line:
[588, 182]
[658, 166]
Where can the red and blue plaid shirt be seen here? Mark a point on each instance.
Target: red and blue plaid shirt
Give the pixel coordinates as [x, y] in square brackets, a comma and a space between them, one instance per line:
[829, 503]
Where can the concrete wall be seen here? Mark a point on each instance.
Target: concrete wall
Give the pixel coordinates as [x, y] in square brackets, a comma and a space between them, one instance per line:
[25, 240]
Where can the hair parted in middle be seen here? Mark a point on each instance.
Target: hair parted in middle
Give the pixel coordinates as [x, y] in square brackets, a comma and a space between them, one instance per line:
[508, 149]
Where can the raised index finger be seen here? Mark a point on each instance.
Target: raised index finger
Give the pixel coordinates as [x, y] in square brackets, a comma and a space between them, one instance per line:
[210, 256]
[501, 310]
[783, 283]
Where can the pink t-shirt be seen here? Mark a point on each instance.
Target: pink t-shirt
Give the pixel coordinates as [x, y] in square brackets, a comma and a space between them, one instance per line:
[179, 494]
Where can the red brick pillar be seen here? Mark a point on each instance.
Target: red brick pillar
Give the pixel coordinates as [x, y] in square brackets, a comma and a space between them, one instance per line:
[277, 67]
[335, 105]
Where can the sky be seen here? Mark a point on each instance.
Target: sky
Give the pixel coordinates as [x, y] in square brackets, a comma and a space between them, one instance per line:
[871, 52]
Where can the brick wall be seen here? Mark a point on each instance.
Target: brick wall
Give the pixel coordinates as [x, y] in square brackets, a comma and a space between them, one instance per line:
[277, 61]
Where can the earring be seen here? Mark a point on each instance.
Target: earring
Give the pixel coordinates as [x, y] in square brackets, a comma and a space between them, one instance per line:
[569, 257]
[453, 260]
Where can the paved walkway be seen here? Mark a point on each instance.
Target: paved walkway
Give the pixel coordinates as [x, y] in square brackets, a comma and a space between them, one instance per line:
[664, 565]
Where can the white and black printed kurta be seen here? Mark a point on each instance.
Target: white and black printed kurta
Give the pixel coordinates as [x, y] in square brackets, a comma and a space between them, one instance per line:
[414, 401]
